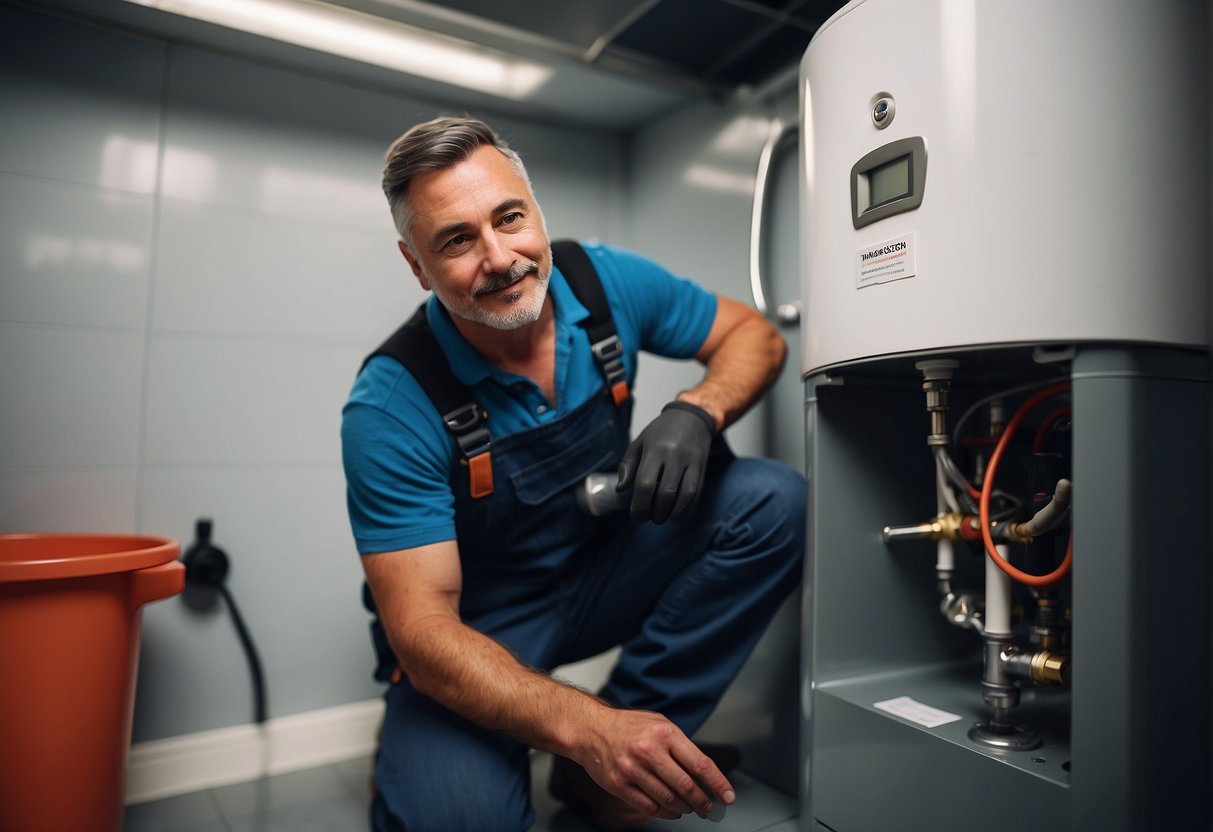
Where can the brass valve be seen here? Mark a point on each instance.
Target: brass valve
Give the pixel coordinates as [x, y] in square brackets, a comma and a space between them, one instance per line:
[1051, 668]
[949, 526]
[1048, 667]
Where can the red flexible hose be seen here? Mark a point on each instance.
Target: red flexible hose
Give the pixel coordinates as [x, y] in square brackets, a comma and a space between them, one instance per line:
[987, 488]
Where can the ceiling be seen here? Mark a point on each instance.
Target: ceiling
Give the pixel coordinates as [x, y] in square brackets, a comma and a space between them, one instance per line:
[619, 63]
[708, 44]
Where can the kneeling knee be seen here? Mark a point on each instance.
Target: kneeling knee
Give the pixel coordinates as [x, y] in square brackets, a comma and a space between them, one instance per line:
[781, 490]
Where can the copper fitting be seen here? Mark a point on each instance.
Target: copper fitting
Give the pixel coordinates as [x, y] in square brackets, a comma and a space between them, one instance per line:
[1051, 668]
[1047, 667]
[1013, 532]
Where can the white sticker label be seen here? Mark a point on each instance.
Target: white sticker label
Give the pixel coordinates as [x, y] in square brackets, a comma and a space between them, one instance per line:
[925, 715]
[886, 261]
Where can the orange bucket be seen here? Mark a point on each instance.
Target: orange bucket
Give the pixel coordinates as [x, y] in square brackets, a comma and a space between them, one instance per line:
[69, 645]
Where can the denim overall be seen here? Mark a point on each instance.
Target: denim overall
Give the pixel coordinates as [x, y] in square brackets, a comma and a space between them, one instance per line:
[555, 585]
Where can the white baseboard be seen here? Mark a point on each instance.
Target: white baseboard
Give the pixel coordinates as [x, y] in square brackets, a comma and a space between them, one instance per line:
[177, 765]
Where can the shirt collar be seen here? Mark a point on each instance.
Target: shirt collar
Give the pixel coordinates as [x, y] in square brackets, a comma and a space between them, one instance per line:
[469, 366]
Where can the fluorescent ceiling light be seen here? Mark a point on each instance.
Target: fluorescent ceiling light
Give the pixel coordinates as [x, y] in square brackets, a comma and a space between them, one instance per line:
[369, 39]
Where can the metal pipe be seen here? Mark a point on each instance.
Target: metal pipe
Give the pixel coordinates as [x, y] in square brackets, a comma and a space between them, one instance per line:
[998, 686]
[950, 526]
[1047, 629]
[998, 597]
[930, 530]
[961, 610]
[622, 25]
[786, 313]
[1001, 693]
[945, 557]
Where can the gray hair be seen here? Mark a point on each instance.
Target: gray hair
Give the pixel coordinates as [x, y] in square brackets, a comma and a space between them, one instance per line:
[434, 145]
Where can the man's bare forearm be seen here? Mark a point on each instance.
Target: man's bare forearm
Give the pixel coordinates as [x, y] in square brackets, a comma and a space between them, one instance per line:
[739, 370]
[479, 679]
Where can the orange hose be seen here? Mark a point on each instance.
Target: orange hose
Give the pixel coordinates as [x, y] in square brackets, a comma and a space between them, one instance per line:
[987, 488]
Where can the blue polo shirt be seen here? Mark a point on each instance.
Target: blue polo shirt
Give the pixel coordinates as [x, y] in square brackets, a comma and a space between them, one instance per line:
[398, 454]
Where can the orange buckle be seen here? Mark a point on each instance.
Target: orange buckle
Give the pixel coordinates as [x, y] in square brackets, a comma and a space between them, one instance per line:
[480, 469]
[619, 392]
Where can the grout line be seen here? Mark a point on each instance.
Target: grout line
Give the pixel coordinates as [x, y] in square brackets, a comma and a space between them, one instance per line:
[153, 268]
[220, 815]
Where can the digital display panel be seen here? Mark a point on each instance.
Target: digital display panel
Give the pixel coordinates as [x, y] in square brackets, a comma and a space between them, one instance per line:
[889, 181]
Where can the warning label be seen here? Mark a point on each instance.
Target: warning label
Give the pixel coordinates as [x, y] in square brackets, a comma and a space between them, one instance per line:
[886, 261]
[915, 711]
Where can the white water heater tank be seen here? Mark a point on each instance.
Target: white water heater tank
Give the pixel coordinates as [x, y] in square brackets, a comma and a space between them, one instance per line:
[988, 172]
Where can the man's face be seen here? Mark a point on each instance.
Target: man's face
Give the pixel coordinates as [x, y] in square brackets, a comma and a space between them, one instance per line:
[478, 241]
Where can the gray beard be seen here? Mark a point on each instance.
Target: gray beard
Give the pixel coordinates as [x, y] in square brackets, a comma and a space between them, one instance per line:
[517, 315]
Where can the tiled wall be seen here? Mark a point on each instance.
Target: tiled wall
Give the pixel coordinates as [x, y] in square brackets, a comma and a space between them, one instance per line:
[194, 257]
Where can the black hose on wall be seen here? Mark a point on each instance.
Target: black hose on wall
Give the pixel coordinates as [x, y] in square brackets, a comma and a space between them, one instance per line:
[206, 570]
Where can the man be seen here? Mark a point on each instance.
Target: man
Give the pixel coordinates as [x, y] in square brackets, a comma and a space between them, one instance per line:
[480, 593]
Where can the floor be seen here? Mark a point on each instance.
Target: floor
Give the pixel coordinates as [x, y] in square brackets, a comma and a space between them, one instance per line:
[333, 798]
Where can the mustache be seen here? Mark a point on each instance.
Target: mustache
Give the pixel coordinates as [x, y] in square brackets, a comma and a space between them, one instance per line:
[500, 280]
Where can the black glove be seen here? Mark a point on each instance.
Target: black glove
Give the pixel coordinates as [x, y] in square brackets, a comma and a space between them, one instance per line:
[665, 463]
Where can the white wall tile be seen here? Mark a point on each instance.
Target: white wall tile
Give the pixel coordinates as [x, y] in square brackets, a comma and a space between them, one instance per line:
[258, 137]
[71, 397]
[81, 104]
[697, 225]
[234, 271]
[249, 401]
[73, 255]
[296, 578]
[67, 500]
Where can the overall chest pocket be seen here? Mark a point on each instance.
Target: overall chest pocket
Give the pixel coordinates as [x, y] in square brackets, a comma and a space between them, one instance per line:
[541, 481]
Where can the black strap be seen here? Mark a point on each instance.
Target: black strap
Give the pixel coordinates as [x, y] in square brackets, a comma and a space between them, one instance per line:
[575, 264]
[414, 346]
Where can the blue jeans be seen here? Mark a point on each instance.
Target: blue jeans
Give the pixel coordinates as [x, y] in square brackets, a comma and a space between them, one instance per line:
[687, 601]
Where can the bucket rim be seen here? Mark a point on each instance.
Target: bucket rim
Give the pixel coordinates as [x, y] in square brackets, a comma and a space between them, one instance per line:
[49, 556]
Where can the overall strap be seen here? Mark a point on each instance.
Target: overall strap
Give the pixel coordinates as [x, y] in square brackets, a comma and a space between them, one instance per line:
[414, 346]
[582, 277]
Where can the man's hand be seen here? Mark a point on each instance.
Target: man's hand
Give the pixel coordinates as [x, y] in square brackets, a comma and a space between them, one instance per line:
[646, 761]
[664, 465]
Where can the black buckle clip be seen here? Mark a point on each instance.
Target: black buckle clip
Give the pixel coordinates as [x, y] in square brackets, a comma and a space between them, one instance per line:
[609, 354]
[467, 423]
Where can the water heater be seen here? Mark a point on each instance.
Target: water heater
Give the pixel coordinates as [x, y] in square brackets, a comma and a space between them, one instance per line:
[1004, 171]
[1005, 277]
